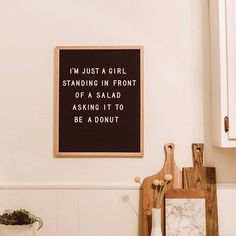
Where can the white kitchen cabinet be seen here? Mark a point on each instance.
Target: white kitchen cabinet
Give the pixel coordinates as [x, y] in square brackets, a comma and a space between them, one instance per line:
[223, 71]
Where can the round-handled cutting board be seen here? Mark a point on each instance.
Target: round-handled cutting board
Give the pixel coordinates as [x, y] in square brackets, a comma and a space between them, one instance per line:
[169, 167]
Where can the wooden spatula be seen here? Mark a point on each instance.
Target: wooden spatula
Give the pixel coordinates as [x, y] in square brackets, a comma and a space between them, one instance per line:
[204, 178]
[148, 190]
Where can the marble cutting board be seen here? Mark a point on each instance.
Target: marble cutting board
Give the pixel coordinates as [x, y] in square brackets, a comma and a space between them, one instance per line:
[185, 213]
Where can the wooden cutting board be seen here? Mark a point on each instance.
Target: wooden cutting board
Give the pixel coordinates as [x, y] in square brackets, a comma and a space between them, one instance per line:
[148, 190]
[204, 178]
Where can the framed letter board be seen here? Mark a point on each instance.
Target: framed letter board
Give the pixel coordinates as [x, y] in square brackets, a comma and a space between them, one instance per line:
[98, 101]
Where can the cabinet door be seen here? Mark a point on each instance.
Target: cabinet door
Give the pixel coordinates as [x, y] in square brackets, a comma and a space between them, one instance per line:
[223, 71]
[231, 65]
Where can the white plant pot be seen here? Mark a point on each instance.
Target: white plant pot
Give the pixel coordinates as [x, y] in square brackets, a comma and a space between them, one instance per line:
[156, 222]
[17, 230]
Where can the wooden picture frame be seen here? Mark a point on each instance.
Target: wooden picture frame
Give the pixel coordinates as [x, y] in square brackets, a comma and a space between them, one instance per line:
[98, 103]
[185, 212]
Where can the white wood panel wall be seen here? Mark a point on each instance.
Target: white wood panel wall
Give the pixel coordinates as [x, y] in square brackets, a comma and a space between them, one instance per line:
[109, 211]
[77, 212]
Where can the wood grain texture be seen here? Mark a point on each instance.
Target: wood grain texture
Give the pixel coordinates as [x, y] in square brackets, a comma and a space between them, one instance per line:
[148, 191]
[203, 178]
[185, 193]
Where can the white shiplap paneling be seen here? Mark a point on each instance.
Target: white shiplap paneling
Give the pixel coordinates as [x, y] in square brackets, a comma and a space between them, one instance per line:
[67, 212]
[96, 210]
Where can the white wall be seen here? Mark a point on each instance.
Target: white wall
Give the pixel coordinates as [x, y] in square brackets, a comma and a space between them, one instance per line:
[175, 36]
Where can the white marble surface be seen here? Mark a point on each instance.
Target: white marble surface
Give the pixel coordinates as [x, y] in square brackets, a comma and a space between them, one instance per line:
[185, 217]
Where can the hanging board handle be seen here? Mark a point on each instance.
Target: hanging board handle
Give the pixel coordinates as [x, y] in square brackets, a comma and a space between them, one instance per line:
[197, 149]
[169, 154]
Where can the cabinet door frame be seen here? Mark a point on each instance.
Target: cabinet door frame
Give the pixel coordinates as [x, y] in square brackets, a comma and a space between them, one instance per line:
[231, 65]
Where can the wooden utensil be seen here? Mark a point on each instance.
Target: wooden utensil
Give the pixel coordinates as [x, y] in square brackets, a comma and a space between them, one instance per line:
[148, 190]
[204, 178]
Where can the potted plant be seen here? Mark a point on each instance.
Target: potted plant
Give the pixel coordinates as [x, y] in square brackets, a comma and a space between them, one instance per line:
[18, 222]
